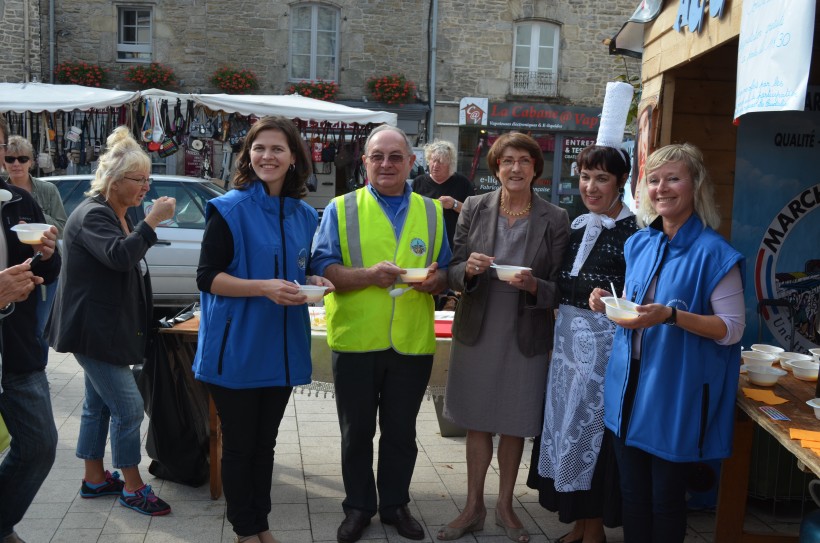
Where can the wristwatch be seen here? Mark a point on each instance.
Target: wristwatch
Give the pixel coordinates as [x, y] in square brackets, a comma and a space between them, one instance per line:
[455, 204]
[673, 318]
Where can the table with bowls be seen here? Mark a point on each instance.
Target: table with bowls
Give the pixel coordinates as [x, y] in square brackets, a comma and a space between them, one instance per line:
[803, 411]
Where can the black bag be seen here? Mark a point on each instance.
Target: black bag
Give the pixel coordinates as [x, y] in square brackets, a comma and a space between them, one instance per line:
[178, 428]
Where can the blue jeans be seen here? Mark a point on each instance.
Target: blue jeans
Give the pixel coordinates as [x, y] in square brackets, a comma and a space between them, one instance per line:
[111, 399]
[43, 309]
[26, 408]
[654, 495]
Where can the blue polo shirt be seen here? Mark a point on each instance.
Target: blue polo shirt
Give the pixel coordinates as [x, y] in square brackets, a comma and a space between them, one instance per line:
[327, 249]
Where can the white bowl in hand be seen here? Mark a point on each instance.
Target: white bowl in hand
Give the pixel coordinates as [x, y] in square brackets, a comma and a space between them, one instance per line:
[314, 293]
[414, 275]
[620, 309]
[30, 233]
[506, 272]
[762, 375]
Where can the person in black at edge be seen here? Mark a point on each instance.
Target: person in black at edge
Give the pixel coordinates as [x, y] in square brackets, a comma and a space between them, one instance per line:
[25, 401]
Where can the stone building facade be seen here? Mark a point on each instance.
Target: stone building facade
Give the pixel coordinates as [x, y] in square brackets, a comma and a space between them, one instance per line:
[375, 37]
[543, 55]
[21, 57]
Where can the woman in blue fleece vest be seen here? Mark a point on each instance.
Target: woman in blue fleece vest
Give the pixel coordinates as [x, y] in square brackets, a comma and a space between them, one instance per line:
[254, 333]
[672, 376]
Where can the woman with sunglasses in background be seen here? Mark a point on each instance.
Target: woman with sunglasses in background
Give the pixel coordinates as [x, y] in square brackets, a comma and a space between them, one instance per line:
[19, 161]
[102, 315]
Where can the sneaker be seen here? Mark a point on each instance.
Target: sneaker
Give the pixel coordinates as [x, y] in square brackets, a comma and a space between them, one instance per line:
[112, 486]
[143, 500]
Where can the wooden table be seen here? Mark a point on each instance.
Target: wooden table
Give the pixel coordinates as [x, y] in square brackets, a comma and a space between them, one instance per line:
[188, 332]
[734, 477]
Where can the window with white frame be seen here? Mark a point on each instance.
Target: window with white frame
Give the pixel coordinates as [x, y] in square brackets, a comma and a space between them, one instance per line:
[134, 31]
[314, 42]
[535, 58]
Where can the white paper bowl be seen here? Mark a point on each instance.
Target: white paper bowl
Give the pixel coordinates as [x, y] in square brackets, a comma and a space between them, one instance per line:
[314, 293]
[786, 358]
[763, 376]
[754, 358]
[771, 349]
[507, 273]
[816, 354]
[805, 370]
[414, 275]
[623, 309]
[814, 403]
[30, 233]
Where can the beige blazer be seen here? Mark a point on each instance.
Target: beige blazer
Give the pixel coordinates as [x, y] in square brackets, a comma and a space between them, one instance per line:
[547, 240]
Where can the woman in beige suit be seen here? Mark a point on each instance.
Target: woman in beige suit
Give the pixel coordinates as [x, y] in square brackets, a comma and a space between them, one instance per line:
[502, 332]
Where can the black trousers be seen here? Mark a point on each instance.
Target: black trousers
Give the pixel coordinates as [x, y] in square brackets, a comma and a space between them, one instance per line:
[250, 423]
[392, 386]
[654, 495]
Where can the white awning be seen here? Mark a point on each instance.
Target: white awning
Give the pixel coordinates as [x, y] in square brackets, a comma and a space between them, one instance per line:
[37, 97]
[629, 39]
[292, 106]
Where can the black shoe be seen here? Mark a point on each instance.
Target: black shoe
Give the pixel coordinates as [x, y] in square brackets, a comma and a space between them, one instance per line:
[351, 528]
[404, 522]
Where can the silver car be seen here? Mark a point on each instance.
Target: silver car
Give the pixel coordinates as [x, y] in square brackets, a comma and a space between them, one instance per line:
[174, 258]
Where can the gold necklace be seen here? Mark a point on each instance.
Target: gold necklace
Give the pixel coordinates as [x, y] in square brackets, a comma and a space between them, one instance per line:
[518, 213]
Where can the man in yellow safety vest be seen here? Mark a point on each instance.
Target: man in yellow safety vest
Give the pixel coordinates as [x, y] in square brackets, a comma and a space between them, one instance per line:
[382, 343]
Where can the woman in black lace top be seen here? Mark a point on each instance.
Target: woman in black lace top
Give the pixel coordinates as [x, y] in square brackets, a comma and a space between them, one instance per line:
[572, 466]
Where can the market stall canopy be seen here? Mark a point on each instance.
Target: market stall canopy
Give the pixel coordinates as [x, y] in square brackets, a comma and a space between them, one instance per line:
[629, 39]
[37, 97]
[292, 106]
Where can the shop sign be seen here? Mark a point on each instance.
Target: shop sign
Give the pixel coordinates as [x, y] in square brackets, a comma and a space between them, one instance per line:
[543, 117]
[690, 13]
[473, 111]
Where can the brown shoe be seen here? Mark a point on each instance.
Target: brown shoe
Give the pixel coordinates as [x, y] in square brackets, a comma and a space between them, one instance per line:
[404, 522]
[351, 528]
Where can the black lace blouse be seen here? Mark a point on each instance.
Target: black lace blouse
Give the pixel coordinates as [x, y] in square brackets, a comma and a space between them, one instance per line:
[605, 263]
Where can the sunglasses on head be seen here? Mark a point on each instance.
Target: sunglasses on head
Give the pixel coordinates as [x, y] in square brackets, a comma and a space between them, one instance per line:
[20, 159]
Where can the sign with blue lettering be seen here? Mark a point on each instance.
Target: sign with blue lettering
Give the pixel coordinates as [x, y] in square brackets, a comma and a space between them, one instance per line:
[774, 54]
[776, 222]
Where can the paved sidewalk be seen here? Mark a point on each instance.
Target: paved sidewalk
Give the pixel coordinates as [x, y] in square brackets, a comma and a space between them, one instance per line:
[307, 487]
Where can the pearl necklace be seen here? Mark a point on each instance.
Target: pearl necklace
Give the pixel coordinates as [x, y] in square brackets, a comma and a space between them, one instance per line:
[517, 213]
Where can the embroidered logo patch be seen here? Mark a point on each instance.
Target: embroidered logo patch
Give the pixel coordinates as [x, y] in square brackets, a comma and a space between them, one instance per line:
[301, 261]
[418, 246]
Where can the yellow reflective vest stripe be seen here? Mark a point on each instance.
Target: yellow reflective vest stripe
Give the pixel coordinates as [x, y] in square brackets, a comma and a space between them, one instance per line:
[369, 319]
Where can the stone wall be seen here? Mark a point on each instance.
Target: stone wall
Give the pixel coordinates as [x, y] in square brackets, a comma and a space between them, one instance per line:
[378, 37]
[13, 62]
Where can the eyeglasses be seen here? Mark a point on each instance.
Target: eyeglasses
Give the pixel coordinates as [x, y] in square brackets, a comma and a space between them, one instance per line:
[142, 181]
[12, 159]
[508, 162]
[392, 159]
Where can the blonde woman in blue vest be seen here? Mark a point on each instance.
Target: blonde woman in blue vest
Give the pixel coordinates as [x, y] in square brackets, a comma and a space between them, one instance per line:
[254, 333]
[503, 330]
[671, 381]
[382, 345]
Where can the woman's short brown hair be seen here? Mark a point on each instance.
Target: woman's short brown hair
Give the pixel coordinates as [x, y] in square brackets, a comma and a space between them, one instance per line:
[520, 141]
[295, 185]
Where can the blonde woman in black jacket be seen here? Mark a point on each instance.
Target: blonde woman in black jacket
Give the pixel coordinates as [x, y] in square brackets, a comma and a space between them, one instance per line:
[101, 315]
